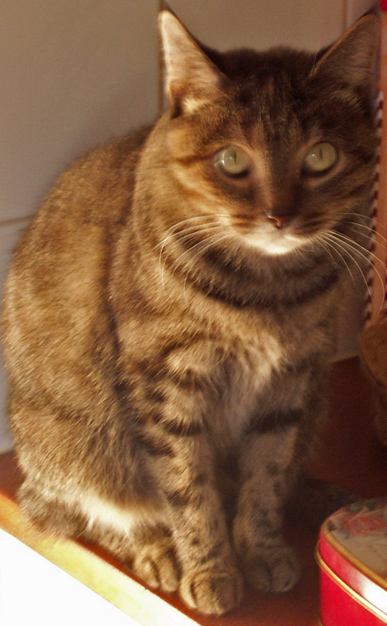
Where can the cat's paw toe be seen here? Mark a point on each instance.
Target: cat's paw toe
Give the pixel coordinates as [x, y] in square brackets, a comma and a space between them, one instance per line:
[275, 569]
[158, 570]
[212, 592]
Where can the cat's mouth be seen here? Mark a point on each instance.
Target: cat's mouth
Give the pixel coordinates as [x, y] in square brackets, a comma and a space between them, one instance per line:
[274, 242]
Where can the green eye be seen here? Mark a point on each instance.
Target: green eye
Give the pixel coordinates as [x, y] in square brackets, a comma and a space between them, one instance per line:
[320, 158]
[233, 161]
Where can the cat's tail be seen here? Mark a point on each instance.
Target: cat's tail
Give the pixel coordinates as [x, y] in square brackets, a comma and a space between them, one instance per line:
[312, 501]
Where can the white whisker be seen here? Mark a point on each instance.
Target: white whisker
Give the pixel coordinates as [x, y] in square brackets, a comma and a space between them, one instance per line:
[371, 233]
[351, 248]
[214, 240]
[366, 256]
[173, 233]
[205, 227]
[330, 240]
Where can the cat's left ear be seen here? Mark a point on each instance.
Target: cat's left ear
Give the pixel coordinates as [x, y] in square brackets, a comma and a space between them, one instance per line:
[191, 78]
[353, 58]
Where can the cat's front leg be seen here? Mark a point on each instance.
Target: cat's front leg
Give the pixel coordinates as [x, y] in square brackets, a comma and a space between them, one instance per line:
[210, 582]
[173, 398]
[266, 466]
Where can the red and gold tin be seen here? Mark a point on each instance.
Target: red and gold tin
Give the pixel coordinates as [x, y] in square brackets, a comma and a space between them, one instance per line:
[352, 555]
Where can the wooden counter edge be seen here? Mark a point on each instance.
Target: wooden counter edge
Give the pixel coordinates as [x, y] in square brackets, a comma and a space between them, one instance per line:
[93, 571]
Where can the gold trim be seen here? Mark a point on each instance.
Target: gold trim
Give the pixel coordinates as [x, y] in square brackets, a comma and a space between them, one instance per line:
[351, 592]
[359, 565]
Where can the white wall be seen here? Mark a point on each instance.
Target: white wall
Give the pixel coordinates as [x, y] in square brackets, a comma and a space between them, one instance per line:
[74, 73]
[46, 594]
[263, 23]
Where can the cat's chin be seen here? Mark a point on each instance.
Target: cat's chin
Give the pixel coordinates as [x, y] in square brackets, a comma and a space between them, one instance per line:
[274, 243]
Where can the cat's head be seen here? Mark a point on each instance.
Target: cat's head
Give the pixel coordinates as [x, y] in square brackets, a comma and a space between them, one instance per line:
[276, 148]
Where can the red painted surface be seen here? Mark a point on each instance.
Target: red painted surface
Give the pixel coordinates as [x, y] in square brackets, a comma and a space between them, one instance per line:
[339, 609]
[338, 606]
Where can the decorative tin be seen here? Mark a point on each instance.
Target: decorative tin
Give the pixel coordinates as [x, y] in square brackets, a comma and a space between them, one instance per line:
[352, 555]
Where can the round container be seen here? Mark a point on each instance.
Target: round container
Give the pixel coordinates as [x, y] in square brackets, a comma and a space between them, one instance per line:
[352, 555]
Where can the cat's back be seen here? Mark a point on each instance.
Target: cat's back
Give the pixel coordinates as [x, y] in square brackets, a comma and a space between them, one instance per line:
[84, 210]
[57, 281]
[95, 190]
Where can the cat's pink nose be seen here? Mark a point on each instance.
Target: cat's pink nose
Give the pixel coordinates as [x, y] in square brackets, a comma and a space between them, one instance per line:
[279, 221]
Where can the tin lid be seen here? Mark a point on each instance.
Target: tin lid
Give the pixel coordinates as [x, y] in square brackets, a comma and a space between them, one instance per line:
[353, 545]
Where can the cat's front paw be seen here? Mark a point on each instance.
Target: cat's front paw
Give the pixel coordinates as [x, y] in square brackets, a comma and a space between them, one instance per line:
[272, 569]
[212, 591]
[157, 567]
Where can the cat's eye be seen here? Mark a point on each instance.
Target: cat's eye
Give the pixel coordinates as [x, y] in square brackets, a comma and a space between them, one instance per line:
[233, 161]
[320, 159]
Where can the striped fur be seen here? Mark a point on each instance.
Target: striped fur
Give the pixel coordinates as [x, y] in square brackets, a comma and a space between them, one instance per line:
[166, 344]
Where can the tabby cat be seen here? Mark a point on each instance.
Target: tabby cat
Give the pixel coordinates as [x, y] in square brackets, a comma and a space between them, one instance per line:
[170, 312]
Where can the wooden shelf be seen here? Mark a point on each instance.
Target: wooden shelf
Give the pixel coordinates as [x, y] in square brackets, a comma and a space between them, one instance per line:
[349, 455]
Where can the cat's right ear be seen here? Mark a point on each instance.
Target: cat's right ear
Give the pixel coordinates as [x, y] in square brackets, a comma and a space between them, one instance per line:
[353, 58]
[191, 79]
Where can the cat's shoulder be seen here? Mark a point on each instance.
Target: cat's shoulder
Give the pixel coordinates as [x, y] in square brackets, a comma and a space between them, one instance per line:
[112, 156]
[97, 187]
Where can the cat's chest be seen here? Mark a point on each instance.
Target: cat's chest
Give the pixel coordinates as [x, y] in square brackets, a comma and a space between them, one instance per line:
[264, 373]
[248, 375]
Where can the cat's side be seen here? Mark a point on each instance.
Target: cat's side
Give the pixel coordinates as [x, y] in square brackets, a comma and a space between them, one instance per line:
[169, 314]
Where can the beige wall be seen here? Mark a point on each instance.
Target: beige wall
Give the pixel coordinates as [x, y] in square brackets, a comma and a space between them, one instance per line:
[74, 73]
[263, 23]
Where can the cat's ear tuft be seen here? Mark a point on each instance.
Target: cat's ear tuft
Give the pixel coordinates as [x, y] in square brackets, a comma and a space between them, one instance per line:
[191, 79]
[353, 58]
